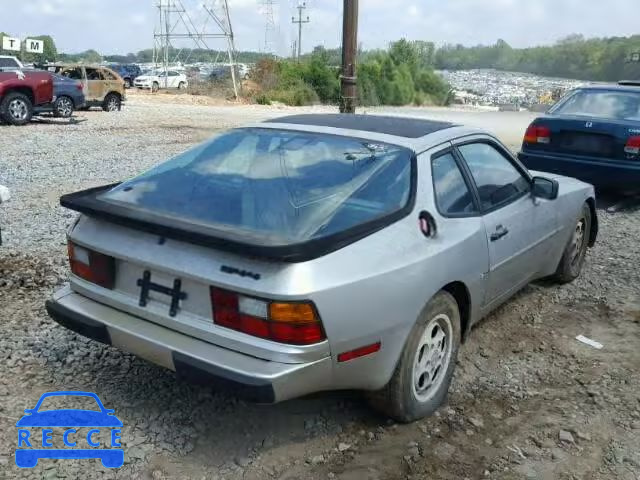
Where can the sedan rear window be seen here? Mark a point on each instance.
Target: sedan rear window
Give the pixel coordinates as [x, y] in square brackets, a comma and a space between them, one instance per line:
[601, 103]
[277, 186]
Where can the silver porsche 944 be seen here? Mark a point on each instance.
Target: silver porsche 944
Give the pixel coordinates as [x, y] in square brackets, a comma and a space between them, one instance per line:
[320, 252]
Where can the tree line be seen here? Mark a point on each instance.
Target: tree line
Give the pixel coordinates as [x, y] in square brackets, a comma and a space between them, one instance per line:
[598, 59]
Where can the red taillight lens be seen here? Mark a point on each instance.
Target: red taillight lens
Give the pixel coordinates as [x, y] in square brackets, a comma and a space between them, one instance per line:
[79, 86]
[633, 146]
[92, 266]
[292, 323]
[537, 134]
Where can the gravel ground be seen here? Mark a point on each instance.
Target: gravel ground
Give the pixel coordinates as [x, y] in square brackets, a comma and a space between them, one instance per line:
[528, 401]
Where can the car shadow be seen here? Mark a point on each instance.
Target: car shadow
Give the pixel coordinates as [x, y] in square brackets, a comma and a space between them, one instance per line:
[42, 120]
[614, 202]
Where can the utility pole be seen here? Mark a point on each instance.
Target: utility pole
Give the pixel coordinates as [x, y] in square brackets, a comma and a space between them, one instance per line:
[300, 21]
[348, 79]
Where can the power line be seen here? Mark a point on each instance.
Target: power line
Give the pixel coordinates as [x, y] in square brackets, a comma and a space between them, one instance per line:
[300, 21]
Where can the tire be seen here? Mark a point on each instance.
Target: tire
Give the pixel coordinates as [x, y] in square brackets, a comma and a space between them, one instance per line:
[63, 107]
[112, 103]
[407, 397]
[127, 83]
[16, 109]
[182, 86]
[155, 87]
[575, 252]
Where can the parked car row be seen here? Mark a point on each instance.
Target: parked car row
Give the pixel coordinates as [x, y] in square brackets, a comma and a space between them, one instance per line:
[56, 88]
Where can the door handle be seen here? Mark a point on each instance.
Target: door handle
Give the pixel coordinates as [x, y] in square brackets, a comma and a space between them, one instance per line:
[499, 233]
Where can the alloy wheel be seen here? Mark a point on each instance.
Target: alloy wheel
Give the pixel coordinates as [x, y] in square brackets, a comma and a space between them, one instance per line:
[432, 357]
[65, 108]
[577, 242]
[18, 109]
[112, 104]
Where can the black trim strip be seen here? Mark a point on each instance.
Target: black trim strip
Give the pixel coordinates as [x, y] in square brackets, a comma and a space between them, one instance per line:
[86, 202]
[462, 168]
[197, 371]
[78, 323]
[188, 368]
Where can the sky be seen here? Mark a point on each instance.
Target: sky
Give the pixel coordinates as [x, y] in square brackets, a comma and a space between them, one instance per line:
[123, 26]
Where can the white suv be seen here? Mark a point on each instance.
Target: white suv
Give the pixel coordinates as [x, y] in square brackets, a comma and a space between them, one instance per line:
[157, 79]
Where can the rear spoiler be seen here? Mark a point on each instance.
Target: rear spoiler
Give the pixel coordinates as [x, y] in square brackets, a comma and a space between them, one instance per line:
[88, 203]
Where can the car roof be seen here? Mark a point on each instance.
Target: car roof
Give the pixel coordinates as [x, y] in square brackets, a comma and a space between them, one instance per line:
[397, 126]
[417, 134]
[613, 87]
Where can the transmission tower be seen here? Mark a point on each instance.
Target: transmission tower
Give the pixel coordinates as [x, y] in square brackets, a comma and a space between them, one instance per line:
[176, 23]
[270, 31]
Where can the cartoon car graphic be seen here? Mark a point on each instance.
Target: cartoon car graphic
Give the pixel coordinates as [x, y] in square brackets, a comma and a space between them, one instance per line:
[28, 453]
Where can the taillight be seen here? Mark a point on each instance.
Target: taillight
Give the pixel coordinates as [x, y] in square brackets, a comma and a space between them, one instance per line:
[92, 266]
[633, 146]
[537, 134]
[295, 323]
[79, 86]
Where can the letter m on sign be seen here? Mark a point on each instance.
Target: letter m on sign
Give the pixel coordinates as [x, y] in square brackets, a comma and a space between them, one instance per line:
[34, 46]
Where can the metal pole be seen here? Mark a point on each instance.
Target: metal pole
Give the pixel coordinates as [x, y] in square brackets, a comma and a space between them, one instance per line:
[232, 49]
[300, 22]
[348, 79]
[300, 31]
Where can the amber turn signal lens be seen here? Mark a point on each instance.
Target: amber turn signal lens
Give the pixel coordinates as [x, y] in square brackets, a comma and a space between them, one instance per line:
[292, 313]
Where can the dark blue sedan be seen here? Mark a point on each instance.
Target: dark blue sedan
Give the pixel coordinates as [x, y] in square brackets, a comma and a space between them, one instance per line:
[592, 134]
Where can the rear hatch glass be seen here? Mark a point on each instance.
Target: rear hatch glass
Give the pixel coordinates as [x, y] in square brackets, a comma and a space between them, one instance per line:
[274, 187]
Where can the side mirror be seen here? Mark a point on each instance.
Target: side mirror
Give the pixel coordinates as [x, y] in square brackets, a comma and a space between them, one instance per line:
[4, 194]
[546, 188]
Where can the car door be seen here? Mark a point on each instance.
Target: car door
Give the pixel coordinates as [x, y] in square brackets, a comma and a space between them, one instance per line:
[112, 83]
[173, 79]
[518, 226]
[96, 85]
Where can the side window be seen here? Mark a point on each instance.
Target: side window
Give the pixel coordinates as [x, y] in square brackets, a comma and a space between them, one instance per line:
[93, 74]
[498, 180]
[74, 73]
[107, 75]
[453, 196]
[173, 74]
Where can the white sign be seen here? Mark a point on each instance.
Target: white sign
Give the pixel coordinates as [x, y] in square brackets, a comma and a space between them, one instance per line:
[34, 46]
[10, 43]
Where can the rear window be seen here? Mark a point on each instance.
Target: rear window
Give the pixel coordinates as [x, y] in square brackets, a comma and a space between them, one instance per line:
[617, 105]
[278, 186]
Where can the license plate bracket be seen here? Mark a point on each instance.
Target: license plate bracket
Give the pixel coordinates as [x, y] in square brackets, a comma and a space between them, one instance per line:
[176, 293]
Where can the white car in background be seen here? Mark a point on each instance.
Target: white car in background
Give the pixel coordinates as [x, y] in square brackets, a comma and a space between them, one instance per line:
[157, 79]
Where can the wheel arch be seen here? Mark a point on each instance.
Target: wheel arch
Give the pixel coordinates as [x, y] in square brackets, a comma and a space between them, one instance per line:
[113, 92]
[460, 293]
[593, 234]
[73, 101]
[23, 90]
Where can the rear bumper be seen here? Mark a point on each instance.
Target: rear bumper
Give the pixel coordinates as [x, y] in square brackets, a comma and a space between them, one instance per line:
[623, 176]
[252, 378]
